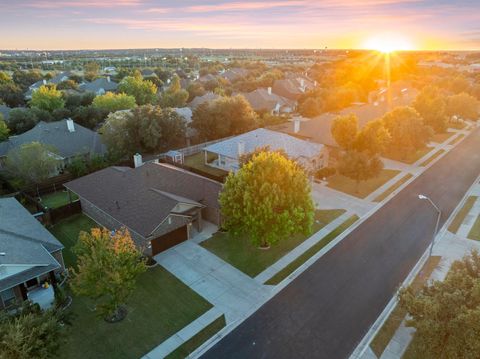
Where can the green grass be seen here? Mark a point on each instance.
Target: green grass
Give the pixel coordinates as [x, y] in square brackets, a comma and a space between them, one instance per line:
[442, 137]
[242, 254]
[392, 188]
[201, 337]
[160, 306]
[432, 158]
[475, 231]
[462, 213]
[57, 199]
[387, 331]
[410, 158]
[198, 161]
[290, 268]
[412, 351]
[457, 140]
[345, 184]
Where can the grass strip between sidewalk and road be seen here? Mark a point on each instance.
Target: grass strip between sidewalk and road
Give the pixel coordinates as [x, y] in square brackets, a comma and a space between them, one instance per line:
[184, 350]
[432, 158]
[475, 231]
[460, 217]
[388, 329]
[457, 140]
[290, 268]
[392, 188]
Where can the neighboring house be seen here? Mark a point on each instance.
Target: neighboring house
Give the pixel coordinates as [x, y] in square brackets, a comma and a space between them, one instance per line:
[186, 113]
[310, 155]
[197, 101]
[34, 87]
[161, 205]
[148, 73]
[5, 112]
[99, 86]
[265, 100]
[110, 70]
[234, 74]
[207, 78]
[63, 76]
[29, 257]
[67, 137]
[293, 87]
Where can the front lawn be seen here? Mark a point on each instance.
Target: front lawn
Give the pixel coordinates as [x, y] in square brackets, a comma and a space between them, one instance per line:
[242, 254]
[349, 186]
[198, 161]
[160, 306]
[461, 214]
[457, 140]
[409, 158]
[475, 231]
[432, 158]
[57, 199]
[442, 137]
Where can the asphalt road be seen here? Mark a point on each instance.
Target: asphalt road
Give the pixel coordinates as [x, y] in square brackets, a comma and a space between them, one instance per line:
[326, 311]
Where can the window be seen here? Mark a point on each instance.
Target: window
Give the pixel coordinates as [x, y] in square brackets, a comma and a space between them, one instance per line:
[8, 297]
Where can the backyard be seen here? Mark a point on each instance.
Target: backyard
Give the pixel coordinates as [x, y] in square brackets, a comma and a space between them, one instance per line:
[242, 254]
[160, 306]
[198, 161]
[349, 186]
[57, 199]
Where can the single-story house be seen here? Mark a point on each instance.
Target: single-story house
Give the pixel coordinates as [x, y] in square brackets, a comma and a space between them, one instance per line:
[68, 138]
[99, 86]
[265, 100]
[161, 205]
[292, 87]
[310, 155]
[148, 73]
[29, 257]
[197, 101]
[234, 74]
[207, 78]
[63, 76]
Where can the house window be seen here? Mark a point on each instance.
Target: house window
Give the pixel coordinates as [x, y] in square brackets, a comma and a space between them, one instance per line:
[31, 283]
[8, 297]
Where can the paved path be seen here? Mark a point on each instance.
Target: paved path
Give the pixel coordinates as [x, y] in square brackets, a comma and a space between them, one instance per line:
[327, 309]
[328, 198]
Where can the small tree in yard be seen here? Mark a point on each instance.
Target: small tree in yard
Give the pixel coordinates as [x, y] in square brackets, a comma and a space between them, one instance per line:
[446, 314]
[359, 166]
[108, 267]
[31, 333]
[268, 199]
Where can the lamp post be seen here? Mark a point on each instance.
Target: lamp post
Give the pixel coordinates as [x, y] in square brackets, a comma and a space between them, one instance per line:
[421, 196]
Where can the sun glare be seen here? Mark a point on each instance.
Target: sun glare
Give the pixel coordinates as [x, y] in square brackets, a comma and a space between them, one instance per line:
[388, 43]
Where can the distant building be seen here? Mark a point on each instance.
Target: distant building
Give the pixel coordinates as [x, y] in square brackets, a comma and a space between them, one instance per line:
[197, 101]
[99, 86]
[265, 100]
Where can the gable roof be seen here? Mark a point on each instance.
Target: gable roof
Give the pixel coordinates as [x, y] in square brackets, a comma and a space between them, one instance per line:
[198, 100]
[101, 83]
[261, 137]
[142, 198]
[260, 99]
[24, 242]
[63, 76]
[234, 73]
[56, 134]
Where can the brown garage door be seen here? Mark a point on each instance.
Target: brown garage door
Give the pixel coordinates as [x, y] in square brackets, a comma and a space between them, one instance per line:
[169, 240]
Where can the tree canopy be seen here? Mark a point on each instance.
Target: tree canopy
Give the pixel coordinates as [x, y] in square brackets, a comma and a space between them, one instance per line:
[174, 96]
[344, 130]
[111, 102]
[47, 98]
[430, 105]
[373, 138]
[268, 199]
[144, 91]
[21, 120]
[463, 105]
[359, 166]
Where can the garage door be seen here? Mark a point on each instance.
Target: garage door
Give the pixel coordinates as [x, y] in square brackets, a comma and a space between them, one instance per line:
[169, 240]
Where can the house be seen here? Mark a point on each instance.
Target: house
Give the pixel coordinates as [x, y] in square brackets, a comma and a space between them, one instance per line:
[310, 155]
[234, 74]
[207, 78]
[197, 101]
[5, 112]
[99, 86]
[34, 87]
[148, 73]
[292, 87]
[68, 138]
[63, 76]
[29, 257]
[265, 100]
[161, 205]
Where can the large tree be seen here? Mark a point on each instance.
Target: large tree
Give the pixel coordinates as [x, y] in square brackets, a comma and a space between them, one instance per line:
[345, 130]
[119, 141]
[21, 120]
[32, 162]
[47, 98]
[373, 138]
[268, 199]
[174, 95]
[225, 116]
[446, 314]
[463, 105]
[107, 269]
[12, 94]
[91, 70]
[359, 166]
[407, 130]
[430, 104]
[111, 102]
[144, 91]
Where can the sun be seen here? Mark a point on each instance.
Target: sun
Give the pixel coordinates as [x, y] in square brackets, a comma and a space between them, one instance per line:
[388, 43]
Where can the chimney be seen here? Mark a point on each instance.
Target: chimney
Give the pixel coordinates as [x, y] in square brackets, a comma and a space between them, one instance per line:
[137, 160]
[296, 125]
[108, 78]
[240, 148]
[70, 125]
[44, 81]
[269, 90]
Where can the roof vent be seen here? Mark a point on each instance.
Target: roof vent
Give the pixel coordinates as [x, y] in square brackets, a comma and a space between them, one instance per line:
[3, 254]
[70, 125]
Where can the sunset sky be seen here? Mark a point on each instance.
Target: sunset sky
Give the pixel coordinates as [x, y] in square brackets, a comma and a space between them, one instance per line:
[95, 24]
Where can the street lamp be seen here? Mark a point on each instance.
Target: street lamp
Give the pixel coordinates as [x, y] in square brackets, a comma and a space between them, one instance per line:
[421, 196]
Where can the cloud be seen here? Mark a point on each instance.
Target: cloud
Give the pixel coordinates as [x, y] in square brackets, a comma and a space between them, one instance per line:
[244, 5]
[44, 4]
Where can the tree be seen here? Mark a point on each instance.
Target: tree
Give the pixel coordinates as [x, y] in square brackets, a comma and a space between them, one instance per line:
[225, 116]
[359, 166]
[344, 130]
[373, 138]
[119, 141]
[91, 70]
[21, 120]
[195, 89]
[32, 162]
[311, 107]
[174, 96]
[12, 94]
[430, 104]
[111, 102]
[47, 98]
[5, 78]
[88, 116]
[67, 85]
[407, 130]
[31, 332]
[267, 199]
[107, 269]
[446, 314]
[464, 106]
[4, 130]
[144, 91]
[24, 79]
